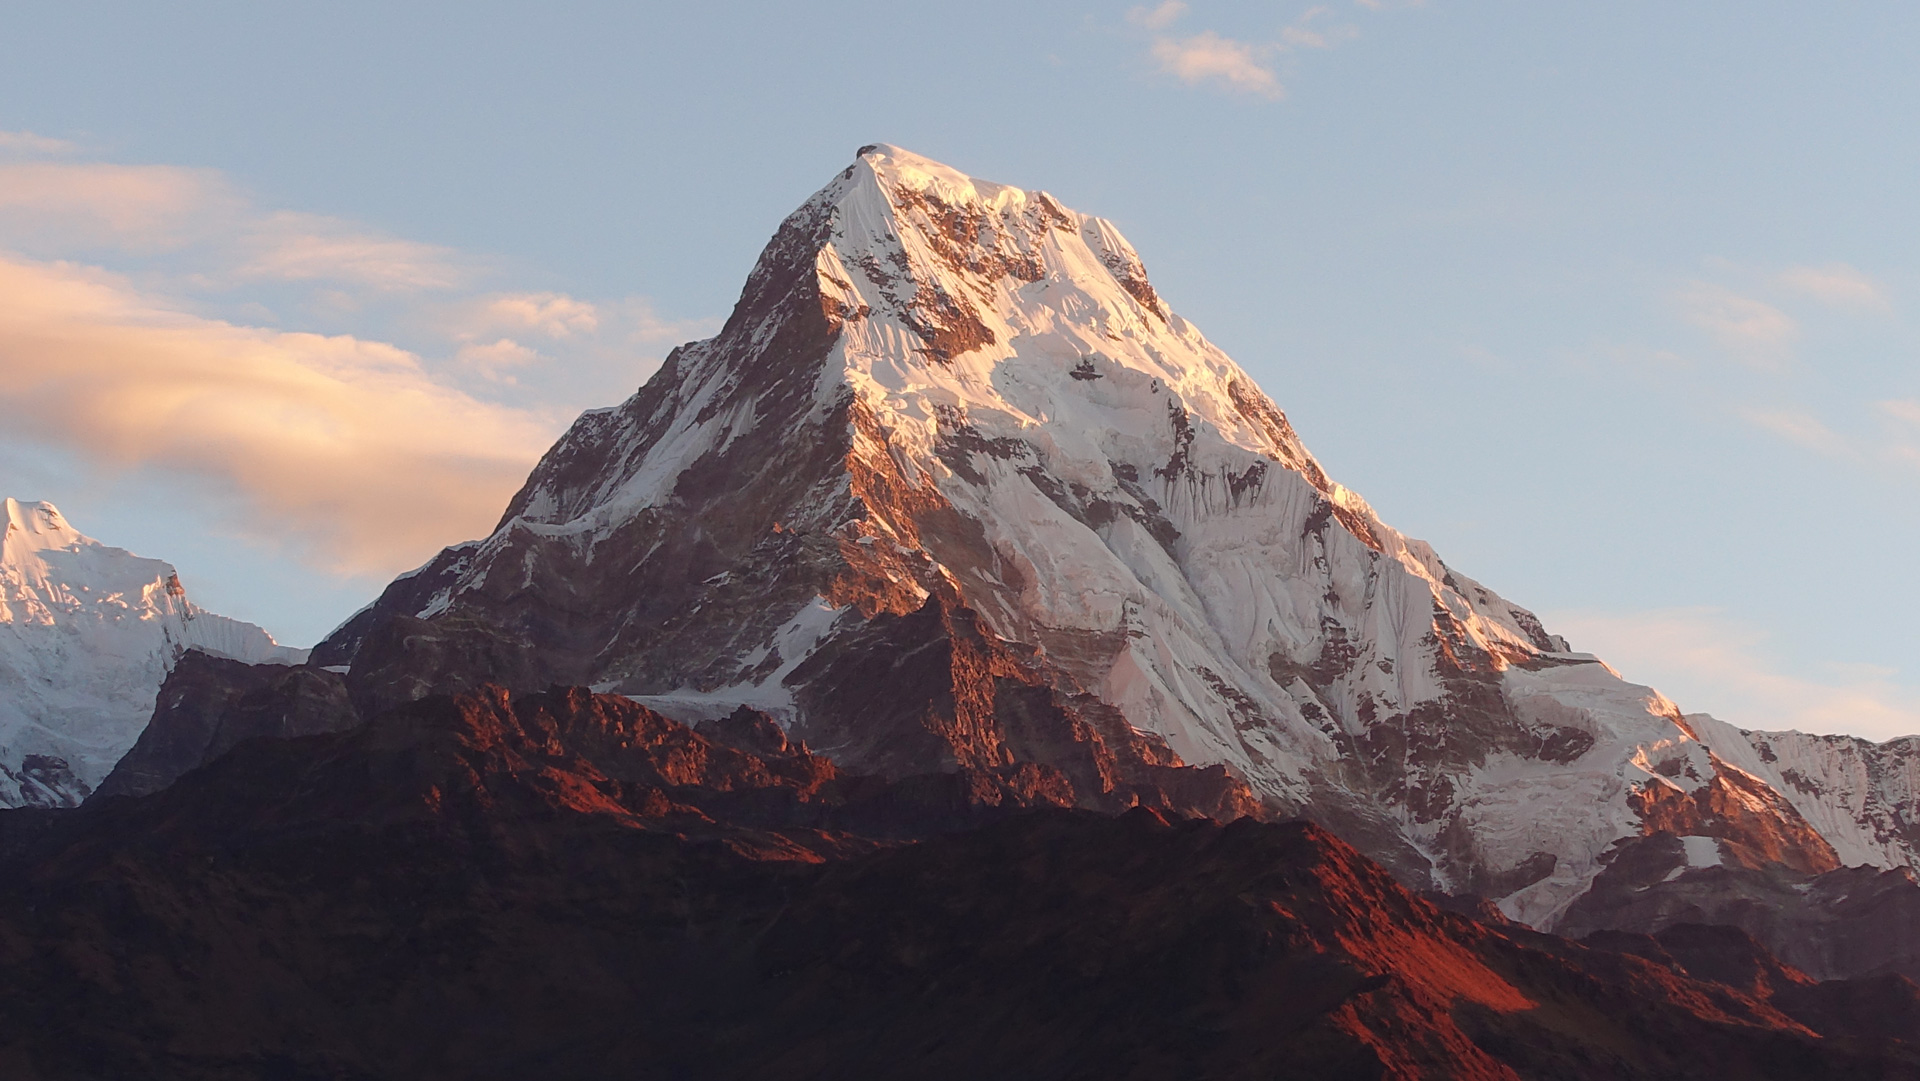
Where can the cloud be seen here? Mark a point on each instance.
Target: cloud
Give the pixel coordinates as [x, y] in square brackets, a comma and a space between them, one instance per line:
[1208, 57]
[292, 246]
[564, 348]
[346, 451]
[1901, 447]
[552, 314]
[1895, 441]
[133, 207]
[1303, 34]
[1801, 429]
[1157, 18]
[638, 323]
[26, 142]
[1836, 284]
[351, 454]
[493, 360]
[58, 207]
[1905, 410]
[1749, 328]
[1710, 663]
[1243, 67]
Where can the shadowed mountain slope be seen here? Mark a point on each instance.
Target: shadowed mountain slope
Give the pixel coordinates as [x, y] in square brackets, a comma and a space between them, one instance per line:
[568, 884]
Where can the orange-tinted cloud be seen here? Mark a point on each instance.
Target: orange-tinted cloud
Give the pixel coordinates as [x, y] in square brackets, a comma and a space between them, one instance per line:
[135, 207]
[292, 246]
[1208, 57]
[345, 450]
[59, 207]
[553, 314]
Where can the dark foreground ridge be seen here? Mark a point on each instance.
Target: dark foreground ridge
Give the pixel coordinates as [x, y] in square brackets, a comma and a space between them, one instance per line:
[569, 885]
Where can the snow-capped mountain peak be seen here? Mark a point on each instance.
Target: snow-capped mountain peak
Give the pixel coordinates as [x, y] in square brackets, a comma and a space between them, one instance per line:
[941, 393]
[87, 633]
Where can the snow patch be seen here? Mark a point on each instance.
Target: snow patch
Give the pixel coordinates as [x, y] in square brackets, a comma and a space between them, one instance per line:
[1702, 851]
[795, 641]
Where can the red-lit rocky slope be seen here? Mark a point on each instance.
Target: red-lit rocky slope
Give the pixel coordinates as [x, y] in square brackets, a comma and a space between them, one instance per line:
[569, 885]
[955, 416]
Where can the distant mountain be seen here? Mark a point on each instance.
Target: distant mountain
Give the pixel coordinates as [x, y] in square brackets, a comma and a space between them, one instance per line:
[87, 634]
[955, 489]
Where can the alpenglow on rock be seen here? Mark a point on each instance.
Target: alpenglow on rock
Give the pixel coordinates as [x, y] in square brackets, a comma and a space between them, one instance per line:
[87, 634]
[951, 464]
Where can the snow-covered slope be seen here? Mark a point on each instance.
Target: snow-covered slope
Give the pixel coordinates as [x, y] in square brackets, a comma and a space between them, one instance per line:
[934, 388]
[87, 633]
[1863, 797]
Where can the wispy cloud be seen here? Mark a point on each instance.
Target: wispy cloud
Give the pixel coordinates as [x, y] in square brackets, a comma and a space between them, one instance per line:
[1709, 662]
[63, 207]
[1208, 57]
[292, 246]
[554, 315]
[1887, 434]
[75, 205]
[1158, 18]
[1749, 328]
[1232, 64]
[346, 450]
[556, 340]
[1801, 429]
[1905, 410]
[28, 143]
[1836, 285]
[495, 360]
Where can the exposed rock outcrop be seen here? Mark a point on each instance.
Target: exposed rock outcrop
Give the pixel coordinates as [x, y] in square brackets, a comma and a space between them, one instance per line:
[210, 704]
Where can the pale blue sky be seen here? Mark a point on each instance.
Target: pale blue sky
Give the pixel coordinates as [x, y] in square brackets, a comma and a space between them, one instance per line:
[1613, 303]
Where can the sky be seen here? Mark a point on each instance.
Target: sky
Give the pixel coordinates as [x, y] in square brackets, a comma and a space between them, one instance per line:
[1613, 303]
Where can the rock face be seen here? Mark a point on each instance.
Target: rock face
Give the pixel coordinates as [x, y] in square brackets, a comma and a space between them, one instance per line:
[1852, 922]
[1886, 1006]
[953, 415]
[87, 633]
[209, 704]
[564, 884]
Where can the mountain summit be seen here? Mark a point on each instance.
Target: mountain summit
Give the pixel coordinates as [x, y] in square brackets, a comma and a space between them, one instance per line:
[87, 633]
[954, 489]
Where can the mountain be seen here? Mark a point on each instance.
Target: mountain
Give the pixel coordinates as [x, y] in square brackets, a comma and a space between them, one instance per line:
[955, 489]
[564, 884]
[1862, 796]
[87, 634]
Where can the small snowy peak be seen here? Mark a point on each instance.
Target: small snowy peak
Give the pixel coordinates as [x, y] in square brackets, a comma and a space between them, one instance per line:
[87, 634]
[35, 524]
